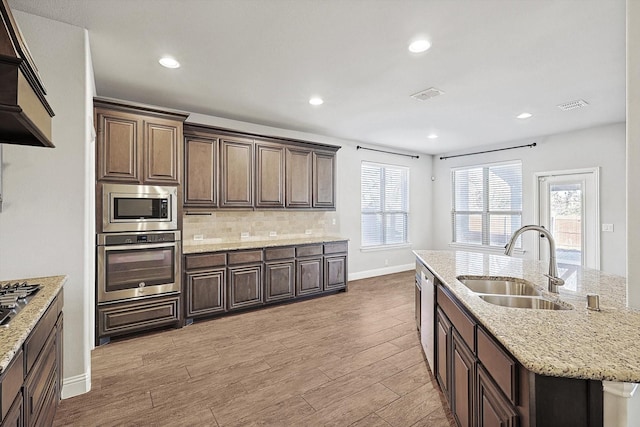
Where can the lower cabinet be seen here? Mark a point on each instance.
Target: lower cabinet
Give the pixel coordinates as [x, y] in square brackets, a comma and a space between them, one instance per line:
[218, 282]
[279, 280]
[124, 318]
[245, 286]
[205, 292]
[30, 386]
[485, 385]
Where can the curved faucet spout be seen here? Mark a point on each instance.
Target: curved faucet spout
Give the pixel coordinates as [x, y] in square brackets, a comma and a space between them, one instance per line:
[554, 280]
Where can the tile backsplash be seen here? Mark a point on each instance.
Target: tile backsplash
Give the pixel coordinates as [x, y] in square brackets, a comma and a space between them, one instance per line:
[234, 226]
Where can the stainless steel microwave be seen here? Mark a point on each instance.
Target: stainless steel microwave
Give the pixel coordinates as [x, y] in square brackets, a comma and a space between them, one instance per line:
[127, 207]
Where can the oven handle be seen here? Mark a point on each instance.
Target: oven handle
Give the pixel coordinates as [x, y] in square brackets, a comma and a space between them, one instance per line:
[140, 246]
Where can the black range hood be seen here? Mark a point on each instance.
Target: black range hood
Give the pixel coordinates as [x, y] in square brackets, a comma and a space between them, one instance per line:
[25, 114]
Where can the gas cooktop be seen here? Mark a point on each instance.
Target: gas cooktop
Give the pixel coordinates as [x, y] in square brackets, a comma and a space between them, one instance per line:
[13, 297]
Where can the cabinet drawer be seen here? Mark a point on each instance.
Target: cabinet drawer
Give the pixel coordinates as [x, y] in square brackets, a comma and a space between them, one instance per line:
[193, 262]
[279, 253]
[10, 384]
[244, 257]
[311, 250]
[335, 247]
[39, 335]
[460, 321]
[502, 368]
[130, 317]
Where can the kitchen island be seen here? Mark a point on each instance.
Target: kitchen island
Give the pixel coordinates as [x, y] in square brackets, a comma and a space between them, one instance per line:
[544, 345]
[31, 356]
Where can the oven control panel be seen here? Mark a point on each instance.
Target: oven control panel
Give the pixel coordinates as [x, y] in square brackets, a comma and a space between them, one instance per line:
[138, 238]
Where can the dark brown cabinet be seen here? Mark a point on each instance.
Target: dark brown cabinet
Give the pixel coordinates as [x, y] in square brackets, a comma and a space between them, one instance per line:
[486, 387]
[201, 171]
[30, 386]
[218, 282]
[236, 170]
[299, 177]
[138, 144]
[123, 318]
[205, 292]
[494, 410]
[270, 175]
[324, 180]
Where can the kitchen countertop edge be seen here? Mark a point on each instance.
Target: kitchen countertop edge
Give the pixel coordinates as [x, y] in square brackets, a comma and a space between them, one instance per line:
[15, 334]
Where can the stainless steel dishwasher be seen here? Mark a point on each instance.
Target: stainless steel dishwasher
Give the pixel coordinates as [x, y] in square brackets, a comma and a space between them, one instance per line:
[427, 314]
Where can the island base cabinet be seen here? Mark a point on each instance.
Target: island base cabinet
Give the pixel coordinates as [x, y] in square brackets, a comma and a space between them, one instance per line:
[493, 409]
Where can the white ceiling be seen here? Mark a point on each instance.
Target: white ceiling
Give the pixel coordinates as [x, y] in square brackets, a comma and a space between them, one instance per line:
[261, 60]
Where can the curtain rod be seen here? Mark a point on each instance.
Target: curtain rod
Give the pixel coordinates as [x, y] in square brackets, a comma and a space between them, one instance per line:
[359, 147]
[489, 151]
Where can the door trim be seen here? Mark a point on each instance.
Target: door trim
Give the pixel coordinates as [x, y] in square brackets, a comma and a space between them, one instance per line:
[536, 204]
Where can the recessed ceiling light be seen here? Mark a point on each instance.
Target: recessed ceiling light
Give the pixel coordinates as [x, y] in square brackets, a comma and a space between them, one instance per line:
[524, 115]
[432, 136]
[419, 46]
[168, 62]
[316, 101]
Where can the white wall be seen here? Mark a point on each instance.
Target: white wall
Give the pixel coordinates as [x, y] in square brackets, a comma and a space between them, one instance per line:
[633, 152]
[602, 146]
[361, 264]
[43, 226]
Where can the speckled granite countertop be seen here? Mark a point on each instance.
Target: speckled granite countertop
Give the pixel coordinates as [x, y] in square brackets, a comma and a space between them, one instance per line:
[576, 343]
[14, 335]
[230, 246]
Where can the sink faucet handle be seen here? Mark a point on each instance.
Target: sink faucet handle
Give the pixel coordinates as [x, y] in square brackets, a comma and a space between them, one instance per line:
[556, 280]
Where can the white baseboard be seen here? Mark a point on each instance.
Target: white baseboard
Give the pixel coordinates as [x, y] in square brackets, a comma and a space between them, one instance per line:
[76, 385]
[381, 271]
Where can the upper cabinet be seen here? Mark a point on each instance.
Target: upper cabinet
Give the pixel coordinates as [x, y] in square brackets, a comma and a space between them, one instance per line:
[256, 172]
[25, 114]
[138, 144]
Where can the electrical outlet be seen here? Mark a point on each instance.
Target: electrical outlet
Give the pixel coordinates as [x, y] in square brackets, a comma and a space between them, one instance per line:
[333, 221]
[198, 237]
[272, 234]
[607, 227]
[386, 262]
[244, 234]
[307, 231]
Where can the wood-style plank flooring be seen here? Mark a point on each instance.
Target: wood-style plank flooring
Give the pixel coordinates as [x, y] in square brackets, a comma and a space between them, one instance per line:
[350, 359]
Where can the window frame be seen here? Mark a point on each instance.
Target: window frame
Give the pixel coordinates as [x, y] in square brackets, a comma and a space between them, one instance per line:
[383, 212]
[486, 212]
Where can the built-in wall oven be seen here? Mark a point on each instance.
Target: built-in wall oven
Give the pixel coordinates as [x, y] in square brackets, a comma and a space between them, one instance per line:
[134, 265]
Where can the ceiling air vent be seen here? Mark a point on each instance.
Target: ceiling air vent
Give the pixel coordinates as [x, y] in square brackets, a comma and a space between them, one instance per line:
[572, 105]
[423, 95]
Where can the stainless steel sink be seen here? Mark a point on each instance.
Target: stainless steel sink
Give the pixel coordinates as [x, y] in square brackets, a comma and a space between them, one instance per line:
[524, 302]
[501, 286]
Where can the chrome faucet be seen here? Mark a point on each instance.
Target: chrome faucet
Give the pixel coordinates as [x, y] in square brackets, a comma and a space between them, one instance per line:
[554, 280]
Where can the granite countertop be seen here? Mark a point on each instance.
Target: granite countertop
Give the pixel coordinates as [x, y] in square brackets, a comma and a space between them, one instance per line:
[576, 343]
[255, 244]
[13, 336]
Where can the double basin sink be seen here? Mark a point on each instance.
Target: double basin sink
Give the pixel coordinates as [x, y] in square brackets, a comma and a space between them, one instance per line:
[510, 292]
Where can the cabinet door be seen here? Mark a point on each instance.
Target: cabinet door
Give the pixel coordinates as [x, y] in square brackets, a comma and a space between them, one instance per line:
[200, 178]
[299, 167]
[236, 173]
[161, 151]
[245, 286]
[205, 292]
[335, 272]
[279, 280]
[308, 276]
[269, 175]
[494, 410]
[462, 381]
[14, 416]
[443, 344]
[323, 180]
[119, 142]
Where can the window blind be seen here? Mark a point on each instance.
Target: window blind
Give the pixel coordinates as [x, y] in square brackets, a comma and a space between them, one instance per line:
[384, 204]
[487, 203]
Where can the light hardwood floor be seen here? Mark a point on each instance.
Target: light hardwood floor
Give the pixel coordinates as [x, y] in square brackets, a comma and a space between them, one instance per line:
[350, 359]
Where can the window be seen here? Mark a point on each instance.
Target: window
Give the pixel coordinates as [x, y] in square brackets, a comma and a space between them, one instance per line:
[487, 204]
[384, 204]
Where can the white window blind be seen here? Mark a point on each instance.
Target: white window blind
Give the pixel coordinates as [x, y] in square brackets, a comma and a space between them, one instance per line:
[384, 204]
[487, 203]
